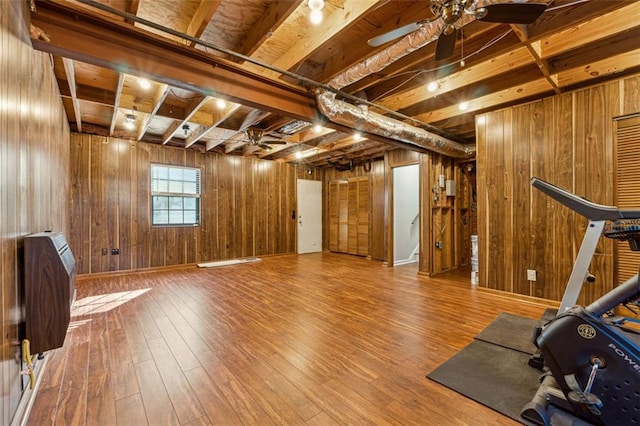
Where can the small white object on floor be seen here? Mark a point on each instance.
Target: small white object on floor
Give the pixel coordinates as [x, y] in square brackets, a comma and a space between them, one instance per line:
[228, 262]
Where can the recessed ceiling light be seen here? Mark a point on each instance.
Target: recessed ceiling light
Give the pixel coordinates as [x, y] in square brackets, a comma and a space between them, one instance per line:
[144, 83]
[298, 154]
[463, 106]
[317, 128]
[357, 136]
[433, 86]
[221, 104]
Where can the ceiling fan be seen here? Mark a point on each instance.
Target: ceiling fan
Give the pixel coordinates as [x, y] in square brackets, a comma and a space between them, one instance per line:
[450, 11]
[256, 137]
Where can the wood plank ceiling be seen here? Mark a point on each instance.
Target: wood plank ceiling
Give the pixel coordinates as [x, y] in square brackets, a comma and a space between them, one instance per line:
[573, 44]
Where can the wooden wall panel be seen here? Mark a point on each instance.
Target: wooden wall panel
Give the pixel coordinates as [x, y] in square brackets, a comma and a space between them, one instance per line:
[339, 216]
[364, 214]
[377, 217]
[568, 141]
[34, 177]
[246, 207]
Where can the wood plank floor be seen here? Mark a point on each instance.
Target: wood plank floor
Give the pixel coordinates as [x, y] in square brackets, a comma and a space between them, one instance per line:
[317, 339]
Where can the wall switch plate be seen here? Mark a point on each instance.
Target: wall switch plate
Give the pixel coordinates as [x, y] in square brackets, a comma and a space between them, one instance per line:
[105, 251]
[531, 274]
[115, 251]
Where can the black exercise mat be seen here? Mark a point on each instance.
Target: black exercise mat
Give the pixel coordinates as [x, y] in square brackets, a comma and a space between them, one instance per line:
[492, 375]
[493, 370]
[510, 331]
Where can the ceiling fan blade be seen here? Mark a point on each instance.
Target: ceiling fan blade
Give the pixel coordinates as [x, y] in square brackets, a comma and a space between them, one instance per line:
[514, 13]
[446, 44]
[252, 118]
[273, 141]
[264, 146]
[394, 34]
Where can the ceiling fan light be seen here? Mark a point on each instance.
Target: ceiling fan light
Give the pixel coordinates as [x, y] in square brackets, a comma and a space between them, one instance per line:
[448, 29]
[315, 4]
[480, 12]
[315, 16]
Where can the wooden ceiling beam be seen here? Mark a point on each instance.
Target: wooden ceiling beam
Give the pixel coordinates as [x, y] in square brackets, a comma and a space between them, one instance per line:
[331, 25]
[132, 8]
[277, 12]
[470, 74]
[505, 96]
[590, 31]
[597, 51]
[218, 117]
[627, 62]
[116, 103]
[201, 18]
[71, 80]
[553, 21]
[160, 93]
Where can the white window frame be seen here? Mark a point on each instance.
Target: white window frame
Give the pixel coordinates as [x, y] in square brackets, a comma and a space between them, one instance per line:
[175, 195]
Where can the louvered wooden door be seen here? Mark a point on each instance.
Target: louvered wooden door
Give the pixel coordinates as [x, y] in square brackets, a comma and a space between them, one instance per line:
[628, 188]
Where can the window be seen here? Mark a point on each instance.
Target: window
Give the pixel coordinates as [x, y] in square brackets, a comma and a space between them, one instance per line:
[175, 195]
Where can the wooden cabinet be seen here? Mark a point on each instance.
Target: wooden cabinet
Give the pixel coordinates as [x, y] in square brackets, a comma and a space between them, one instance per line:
[50, 270]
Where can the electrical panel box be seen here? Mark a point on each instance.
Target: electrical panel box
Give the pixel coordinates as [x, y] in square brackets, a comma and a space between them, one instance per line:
[450, 188]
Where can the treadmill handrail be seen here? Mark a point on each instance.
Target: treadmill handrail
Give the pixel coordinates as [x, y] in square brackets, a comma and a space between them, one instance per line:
[586, 208]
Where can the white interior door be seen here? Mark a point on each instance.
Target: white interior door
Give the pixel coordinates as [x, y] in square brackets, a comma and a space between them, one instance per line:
[406, 214]
[309, 216]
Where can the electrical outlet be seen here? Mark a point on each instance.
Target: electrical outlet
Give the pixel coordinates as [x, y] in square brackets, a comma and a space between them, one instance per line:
[531, 274]
[439, 244]
[105, 251]
[115, 251]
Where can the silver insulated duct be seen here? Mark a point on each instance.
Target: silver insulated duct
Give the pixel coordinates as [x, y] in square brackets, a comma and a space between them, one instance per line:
[359, 117]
